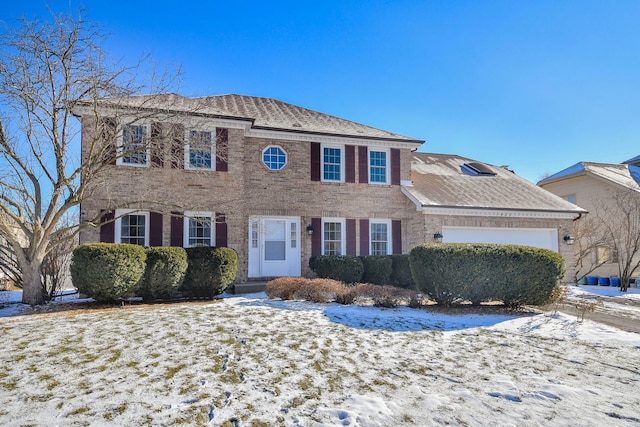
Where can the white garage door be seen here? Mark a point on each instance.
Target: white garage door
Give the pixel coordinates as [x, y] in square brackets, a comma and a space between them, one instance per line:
[539, 237]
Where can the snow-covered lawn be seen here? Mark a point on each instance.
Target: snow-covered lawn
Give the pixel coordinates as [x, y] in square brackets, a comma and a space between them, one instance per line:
[250, 361]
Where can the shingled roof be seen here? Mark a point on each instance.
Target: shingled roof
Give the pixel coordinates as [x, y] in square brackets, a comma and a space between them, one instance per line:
[264, 113]
[443, 180]
[624, 175]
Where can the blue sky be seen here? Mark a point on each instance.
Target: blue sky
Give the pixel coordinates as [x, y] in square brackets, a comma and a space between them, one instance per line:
[536, 85]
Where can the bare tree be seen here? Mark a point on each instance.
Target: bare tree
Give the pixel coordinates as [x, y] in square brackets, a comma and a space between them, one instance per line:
[619, 220]
[48, 70]
[589, 236]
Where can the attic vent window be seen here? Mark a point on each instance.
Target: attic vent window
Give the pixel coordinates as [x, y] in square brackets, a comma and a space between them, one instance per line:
[477, 168]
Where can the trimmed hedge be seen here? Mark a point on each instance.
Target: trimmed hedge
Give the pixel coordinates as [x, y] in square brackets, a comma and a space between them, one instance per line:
[211, 270]
[164, 273]
[107, 271]
[401, 272]
[345, 268]
[516, 275]
[377, 269]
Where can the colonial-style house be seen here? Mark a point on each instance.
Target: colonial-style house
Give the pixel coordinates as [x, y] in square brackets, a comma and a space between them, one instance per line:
[594, 186]
[280, 183]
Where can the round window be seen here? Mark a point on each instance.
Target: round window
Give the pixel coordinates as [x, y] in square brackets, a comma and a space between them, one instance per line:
[274, 158]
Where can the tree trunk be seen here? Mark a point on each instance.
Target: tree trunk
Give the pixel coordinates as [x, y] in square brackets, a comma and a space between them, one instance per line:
[32, 284]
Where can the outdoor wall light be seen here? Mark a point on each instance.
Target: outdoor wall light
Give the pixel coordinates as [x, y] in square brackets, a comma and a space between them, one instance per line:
[569, 239]
[309, 229]
[437, 237]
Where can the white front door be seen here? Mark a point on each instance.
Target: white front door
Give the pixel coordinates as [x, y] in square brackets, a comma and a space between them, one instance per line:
[274, 246]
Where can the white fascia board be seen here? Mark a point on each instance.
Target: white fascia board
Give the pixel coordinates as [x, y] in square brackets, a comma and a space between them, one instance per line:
[331, 139]
[411, 197]
[453, 211]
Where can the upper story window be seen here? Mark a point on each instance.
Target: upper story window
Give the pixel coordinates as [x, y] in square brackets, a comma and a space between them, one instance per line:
[274, 158]
[379, 237]
[132, 227]
[200, 150]
[378, 170]
[571, 198]
[333, 236]
[198, 229]
[134, 145]
[332, 163]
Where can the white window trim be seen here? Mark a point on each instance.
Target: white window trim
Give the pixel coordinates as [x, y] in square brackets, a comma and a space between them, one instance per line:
[118, 223]
[343, 242]
[120, 144]
[286, 157]
[194, 214]
[187, 149]
[387, 174]
[389, 236]
[342, 161]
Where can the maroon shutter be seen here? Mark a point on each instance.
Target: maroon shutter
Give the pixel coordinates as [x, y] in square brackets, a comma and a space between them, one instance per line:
[316, 237]
[222, 150]
[395, 166]
[351, 236]
[107, 227]
[221, 230]
[364, 237]
[396, 235]
[350, 163]
[315, 161]
[155, 229]
[156, 145]
[363, 165]
[177, 147]
[108, 136]
[177, 229]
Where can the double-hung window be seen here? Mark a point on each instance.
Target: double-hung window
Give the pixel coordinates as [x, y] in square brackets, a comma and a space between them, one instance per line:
[379, 237]
[200, 150]
[378, 167]
[132, 227]
[333, 236]
[332, 163]
[134, 145]
[198, 229]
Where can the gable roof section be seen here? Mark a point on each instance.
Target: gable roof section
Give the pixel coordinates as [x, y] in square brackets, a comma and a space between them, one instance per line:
[263, 113]
[623, 175]
[439, 180]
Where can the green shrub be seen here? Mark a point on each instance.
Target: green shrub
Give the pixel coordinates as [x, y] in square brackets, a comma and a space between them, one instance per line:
[377, 269]
[347, 268]
[210, 271]
[514, 274]
[164, 273]
[401, 272]
[107, 271]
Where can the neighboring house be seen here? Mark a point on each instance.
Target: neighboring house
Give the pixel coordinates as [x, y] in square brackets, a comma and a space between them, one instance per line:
[592, 186]
[462, 200]
[280, 183]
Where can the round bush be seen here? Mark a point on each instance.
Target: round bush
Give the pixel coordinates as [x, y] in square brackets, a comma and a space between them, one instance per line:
[107, 271]
[401, 272]
[210, 271]
[164, 273]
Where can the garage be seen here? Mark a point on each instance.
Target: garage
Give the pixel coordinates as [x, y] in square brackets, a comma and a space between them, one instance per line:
[539, 237]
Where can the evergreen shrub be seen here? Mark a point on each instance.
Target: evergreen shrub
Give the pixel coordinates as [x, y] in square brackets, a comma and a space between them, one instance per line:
[210, 271]
[344, 268]
[514, 274]
[164, 273]
[377, 269]
[107, 271]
